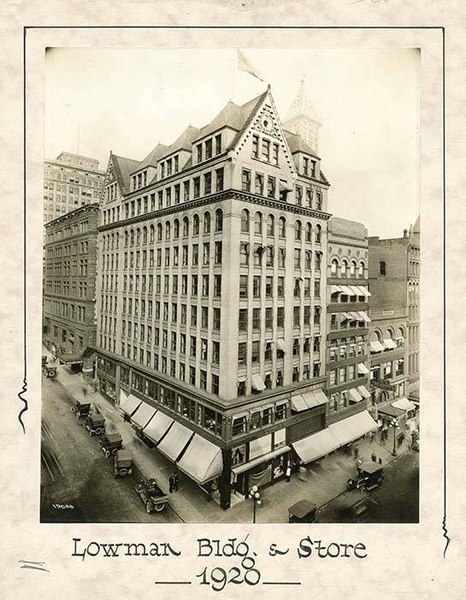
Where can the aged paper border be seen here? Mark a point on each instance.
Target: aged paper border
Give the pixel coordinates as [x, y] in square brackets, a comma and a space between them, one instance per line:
[402, 559]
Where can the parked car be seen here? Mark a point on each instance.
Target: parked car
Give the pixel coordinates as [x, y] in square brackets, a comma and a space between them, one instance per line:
[81, 409]
[152, 495]
[111, 443]
[95, 424]
[370, 476]
[303, 511]
[122, 464]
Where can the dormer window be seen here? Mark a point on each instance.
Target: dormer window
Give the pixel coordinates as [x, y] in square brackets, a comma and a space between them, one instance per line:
[305, 165]
[208, 149]
[199, 153]
[162, 168]
[176, 164]
[169, 167]
[218, 143]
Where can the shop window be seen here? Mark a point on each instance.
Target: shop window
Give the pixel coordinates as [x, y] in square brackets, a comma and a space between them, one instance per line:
[239, 426]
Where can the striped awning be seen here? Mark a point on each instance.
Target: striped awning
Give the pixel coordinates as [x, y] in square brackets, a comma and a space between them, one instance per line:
[130, 404]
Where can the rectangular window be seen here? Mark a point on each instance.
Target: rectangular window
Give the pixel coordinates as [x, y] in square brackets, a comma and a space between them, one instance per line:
[275, 154]
[256, 286]
[268, 318]
[197, 187]
[219, 180]
[208, 183]
[259, 184]
[242, 353]
[280, 316]
[268, 287]
[216, 323]
[217, 286]
[281, 287]
[243, 286]
[243, 319]
[266, 150]
[208, 149]
[218, 143]
[255, 351]
[271, 186]
[246, 180]
[255, 146]
[256, 318]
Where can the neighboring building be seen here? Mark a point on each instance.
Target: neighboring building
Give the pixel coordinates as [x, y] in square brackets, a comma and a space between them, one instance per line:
[348, 321]
[212, 313]
[394, 328]
[69, 327]
[303, 120]
[70, 181]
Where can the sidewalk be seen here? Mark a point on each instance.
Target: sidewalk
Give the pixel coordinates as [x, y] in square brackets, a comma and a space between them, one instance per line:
[319, 482]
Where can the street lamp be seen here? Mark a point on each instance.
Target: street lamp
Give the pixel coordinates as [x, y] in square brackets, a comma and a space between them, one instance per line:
[256, 498]
[394, 424]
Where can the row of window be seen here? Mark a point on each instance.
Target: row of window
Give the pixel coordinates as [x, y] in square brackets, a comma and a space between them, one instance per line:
[169, 311]
[68, 268]
[343, 374]
[68, 336]
[153, 258]
[66, 310]
[347, 268]
[66, 289]
[302, 232]
[58, 234]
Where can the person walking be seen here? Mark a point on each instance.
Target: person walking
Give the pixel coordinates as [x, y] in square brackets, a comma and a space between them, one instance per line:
[171, 484]
[176, 482]
[288, 473]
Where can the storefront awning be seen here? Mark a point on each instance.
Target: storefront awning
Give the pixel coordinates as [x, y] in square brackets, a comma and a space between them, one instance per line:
[362, 369]
[364, 391]
[202, 460]
[281, 345]
[157, 426]
[404, 404]
[309, 399]
[257, 461]
[389, 344]
[364, 317]
[257, 383]
[346, 290]
[143, 414]
[175, 441]
[354, 427]
[364, 291]
[354, 395]
[130, 404]
[376, 347]
[335, 289]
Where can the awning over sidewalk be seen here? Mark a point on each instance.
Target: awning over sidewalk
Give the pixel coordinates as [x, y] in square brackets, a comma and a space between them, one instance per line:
[175, 441]
[362, 369]
[354, 395]
[309, 399]
[130, 404]
[339, 434]
[202, 460]
[364, 391]
[261, 459]
[404, 404]
[143, 414]
[157, 426]
[377, 347]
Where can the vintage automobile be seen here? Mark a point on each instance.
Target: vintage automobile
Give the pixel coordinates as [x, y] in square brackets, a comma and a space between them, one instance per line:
[110, 444]
[81, 409]
[370, 476]
[354, 506]
[151, 495]
[122, 464]
[303, 511]
[95, 424]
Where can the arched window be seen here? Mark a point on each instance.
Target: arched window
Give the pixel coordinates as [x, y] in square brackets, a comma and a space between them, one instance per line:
[334, 267]
[297, 230]
[318, 260]
[159, 232]
[318, 234]
[344, 268]
[270, 225]
[218, 220]
[382, 268]
[176, 229]
[167, 230]
[258, 223]
[138, 236]
[144, 235]
[151, 233]
[361, 270]
[206, 222]
[308, 232]
[195, 225]
[245, 221]
[353, 268]
[131, 237]
[186, 226]
[282, 227]
[126, 239]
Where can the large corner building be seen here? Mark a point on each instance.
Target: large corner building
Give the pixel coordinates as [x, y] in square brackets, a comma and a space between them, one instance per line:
[212, 314]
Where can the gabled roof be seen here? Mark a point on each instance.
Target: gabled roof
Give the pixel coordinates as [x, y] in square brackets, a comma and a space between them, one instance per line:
[183, 142]
[297, 144]
[123, 168]
[248, 111]
[153, 157]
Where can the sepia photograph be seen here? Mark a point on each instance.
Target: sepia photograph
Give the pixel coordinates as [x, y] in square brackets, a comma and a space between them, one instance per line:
[231, 286]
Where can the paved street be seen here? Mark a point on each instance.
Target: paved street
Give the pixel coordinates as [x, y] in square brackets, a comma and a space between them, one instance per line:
[75, 471]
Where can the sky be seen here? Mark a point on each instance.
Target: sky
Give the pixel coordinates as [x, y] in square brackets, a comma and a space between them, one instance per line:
[126, 101]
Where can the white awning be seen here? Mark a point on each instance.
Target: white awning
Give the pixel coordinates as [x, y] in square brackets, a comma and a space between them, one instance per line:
[364, 291]
[335, 289]
[356, 291]
[362, 369]
[376, 347]
[346, 290]
[390, 344]
[404, 404]
[130, 405]
[175, 441]
[364, 317]
[257, 461]
[281, 345]
[354, 395]
[202, 460]
[260, 446]
[309, 399]
[354, 427]
[157, 426]
[355, 316]
[364, 391]
[347, 316]
[143, 414]
[257, 383]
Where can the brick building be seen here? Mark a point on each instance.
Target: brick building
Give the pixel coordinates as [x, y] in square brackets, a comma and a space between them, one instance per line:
[69, 327]
[212, 313]
[70, 181]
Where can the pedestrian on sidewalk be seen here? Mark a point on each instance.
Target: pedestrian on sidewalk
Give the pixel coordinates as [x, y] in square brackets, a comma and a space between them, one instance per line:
[356, 452]
[176, 482]
[171, 484]
[380, 460]
[374, 457]
[288, 473]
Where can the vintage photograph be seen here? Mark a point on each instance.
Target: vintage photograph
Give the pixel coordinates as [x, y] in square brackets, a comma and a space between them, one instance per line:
[231, 286]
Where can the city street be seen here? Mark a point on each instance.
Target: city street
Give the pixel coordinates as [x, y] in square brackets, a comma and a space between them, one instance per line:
[397, 501]
[76, 474]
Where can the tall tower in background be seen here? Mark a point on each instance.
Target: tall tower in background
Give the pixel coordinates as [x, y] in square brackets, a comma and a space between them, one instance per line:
[302, 118]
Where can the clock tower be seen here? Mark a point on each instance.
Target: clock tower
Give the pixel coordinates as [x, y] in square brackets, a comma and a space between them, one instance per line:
[302, 118]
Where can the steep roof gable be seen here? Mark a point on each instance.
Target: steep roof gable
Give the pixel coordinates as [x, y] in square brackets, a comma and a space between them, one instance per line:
[119, 169]
[153, 157]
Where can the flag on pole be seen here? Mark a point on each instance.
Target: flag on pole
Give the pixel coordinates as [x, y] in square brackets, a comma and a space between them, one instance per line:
[244, 65]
